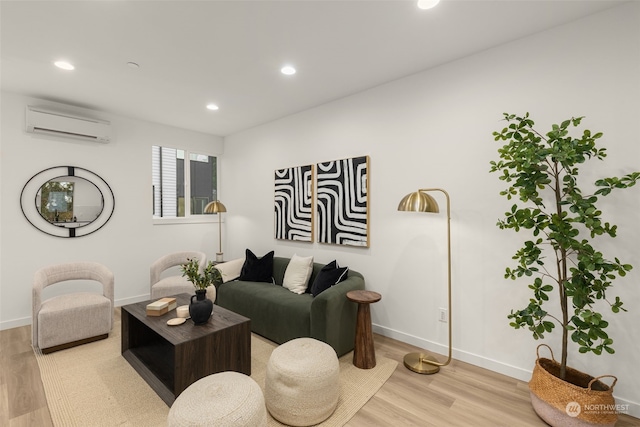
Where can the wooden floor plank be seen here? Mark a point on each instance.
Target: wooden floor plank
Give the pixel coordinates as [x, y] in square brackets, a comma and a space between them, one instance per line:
[24, 386]
[39, 418]
[380, 412]
[4, 404]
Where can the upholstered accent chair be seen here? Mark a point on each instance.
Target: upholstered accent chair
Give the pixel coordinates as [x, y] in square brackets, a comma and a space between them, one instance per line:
[175, 284]
[73, 318]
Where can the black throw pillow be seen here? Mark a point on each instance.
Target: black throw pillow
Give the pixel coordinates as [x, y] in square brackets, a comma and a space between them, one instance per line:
[329, 276]
[257, 269]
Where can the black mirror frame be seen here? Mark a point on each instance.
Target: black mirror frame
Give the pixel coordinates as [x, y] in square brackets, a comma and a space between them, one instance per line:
[30, 211]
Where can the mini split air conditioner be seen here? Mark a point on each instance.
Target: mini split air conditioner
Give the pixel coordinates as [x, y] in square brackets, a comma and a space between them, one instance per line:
[57, 123]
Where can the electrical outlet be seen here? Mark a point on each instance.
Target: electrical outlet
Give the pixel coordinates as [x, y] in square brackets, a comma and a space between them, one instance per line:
[442, 315]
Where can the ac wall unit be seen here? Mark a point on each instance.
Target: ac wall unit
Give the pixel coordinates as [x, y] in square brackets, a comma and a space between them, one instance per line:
[58, 123]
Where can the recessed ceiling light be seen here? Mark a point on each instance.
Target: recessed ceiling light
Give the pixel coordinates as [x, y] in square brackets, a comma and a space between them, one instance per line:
[288, 70]
[64, 65]
[427, 4]
[133, 65]
[212, 107]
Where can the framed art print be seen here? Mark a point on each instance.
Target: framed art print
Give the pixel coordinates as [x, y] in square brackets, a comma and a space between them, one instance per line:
[293, 205]
[343, 201]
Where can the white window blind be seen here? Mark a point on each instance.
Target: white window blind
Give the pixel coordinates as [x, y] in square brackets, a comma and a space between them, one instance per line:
[165, 178]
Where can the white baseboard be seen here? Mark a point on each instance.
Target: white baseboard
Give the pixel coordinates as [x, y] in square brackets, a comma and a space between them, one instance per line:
[15, 323]
[131, 300]
[630, 408]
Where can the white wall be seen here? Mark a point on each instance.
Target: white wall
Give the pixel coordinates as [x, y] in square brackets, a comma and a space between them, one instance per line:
[434, 129]
[128, 243]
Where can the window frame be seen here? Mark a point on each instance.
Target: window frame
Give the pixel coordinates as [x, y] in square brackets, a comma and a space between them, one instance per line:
[188, 217]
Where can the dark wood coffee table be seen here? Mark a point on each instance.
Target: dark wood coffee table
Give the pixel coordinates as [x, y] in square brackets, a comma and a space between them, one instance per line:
[170, 358]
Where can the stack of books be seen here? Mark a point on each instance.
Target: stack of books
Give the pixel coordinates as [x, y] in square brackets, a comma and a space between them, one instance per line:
[160, 307]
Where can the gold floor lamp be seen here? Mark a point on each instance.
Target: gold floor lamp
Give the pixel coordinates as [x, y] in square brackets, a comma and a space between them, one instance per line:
[217, 208]
[420, 201]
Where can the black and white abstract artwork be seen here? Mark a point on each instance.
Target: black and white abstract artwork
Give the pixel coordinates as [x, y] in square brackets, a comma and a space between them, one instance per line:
[343, 202]
[294, 203]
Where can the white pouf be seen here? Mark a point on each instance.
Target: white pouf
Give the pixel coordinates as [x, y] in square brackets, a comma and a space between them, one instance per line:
[226, 399]
[302, 382]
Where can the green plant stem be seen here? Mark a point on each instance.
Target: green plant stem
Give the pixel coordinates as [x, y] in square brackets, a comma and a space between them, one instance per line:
[562, 276]
[565, 316]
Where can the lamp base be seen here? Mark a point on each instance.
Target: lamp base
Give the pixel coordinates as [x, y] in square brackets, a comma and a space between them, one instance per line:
[219, 257]
[419, 362]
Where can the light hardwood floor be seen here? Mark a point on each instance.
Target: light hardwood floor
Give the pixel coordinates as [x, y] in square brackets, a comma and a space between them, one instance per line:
[459, 395]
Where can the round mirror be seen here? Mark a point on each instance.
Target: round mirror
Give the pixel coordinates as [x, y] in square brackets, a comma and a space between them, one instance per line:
[67, 201]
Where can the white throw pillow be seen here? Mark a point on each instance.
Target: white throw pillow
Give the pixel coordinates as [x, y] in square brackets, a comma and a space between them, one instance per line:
[297, 274]
[230, 270]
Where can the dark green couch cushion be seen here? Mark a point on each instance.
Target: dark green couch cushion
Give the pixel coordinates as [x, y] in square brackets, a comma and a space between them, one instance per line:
[275, 312]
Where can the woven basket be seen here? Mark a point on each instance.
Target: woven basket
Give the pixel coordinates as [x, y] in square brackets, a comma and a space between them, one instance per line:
[581, 400]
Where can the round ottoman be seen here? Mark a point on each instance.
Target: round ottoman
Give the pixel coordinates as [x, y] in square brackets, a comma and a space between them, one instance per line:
[225, 399]
[302, 382]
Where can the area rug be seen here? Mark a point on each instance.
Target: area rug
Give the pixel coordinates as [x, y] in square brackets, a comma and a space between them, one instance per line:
[93, 385]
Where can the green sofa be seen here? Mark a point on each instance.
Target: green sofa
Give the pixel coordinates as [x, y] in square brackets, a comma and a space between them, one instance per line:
[280, 315]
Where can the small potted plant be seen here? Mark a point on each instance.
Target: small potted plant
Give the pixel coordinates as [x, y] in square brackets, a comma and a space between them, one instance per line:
[559, 256]
[200, 310]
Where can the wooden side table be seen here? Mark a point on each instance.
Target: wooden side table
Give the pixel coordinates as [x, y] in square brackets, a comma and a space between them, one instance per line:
[364, 355]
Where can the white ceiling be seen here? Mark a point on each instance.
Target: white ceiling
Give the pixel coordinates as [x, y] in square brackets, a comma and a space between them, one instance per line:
[230, 52]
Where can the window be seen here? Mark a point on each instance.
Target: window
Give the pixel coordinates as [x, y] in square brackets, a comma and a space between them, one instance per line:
[173, 178]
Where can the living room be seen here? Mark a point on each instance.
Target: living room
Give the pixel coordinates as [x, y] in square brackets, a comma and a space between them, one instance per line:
[432, 128]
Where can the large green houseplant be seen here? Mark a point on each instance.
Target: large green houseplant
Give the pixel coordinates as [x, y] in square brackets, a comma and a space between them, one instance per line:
[541, 172]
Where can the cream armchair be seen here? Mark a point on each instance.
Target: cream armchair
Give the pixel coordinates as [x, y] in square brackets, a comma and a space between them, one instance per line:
[75, 318]
[172, 285]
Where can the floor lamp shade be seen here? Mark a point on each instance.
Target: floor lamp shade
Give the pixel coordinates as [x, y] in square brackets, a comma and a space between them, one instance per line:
[217, 207]
[420, 201]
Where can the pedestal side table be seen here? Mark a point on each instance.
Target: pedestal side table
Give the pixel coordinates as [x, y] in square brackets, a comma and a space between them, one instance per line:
[364, 355]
